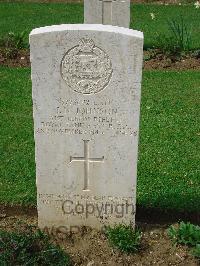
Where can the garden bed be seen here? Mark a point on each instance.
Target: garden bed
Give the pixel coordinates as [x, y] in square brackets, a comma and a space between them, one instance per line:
[22, 59]
[91, 247]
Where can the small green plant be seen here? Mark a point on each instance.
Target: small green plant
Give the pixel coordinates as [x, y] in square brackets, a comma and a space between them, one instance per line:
[151, 53]
[11, 43]
[14, 40]
[196, 54]
[124, 238]
[181, 33]
[178, 41]
[30, 248]
[186, 234]
[196, 251]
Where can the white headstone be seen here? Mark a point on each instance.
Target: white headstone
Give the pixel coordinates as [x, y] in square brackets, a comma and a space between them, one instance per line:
[86, 98]
[107, 12]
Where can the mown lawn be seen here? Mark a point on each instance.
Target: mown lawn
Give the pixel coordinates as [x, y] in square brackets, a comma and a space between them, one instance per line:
[18, 17]
[169, 168]
[17, 176]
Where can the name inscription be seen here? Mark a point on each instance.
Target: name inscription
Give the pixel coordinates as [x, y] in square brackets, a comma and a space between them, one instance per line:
[79, 117]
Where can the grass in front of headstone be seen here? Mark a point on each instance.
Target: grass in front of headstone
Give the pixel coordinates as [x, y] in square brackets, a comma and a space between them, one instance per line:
[168, 170]
[30, 247]
[149, 18]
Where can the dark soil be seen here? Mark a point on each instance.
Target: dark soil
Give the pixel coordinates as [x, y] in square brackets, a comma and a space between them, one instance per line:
[160, 61]
[90, 247]
[22, 59]
[165, 64]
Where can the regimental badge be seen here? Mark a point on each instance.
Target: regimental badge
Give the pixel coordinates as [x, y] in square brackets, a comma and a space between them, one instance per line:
[86, 68]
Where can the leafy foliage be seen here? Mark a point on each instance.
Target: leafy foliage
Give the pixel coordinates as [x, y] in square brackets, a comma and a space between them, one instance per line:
[187, 234]
[178, 41]
[196, 251]
[30, 248]
[124, 238]
[15, 40]
[196, 54]
[181, 33]
[12, 43]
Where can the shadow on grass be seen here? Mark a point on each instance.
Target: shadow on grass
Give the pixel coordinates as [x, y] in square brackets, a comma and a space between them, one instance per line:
[166, 215]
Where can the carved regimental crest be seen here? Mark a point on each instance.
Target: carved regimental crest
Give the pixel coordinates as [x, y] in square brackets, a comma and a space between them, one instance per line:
[86, 68]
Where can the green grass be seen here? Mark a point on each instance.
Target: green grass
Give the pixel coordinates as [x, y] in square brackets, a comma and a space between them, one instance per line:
[17, 177]
[169, 169]
[141, 20]
[20, 17]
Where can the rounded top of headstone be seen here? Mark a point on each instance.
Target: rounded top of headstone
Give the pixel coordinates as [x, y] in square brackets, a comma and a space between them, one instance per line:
[87, 27]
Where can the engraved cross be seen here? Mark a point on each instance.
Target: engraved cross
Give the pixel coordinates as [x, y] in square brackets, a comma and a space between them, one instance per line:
[107, 11]
[87, 160]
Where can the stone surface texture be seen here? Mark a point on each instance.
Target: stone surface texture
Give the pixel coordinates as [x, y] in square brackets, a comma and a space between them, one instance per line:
[86, 85]
[107, 12]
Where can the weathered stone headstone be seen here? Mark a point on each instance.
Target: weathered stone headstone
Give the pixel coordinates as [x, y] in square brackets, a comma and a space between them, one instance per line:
[107, 12]
[86, 98]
